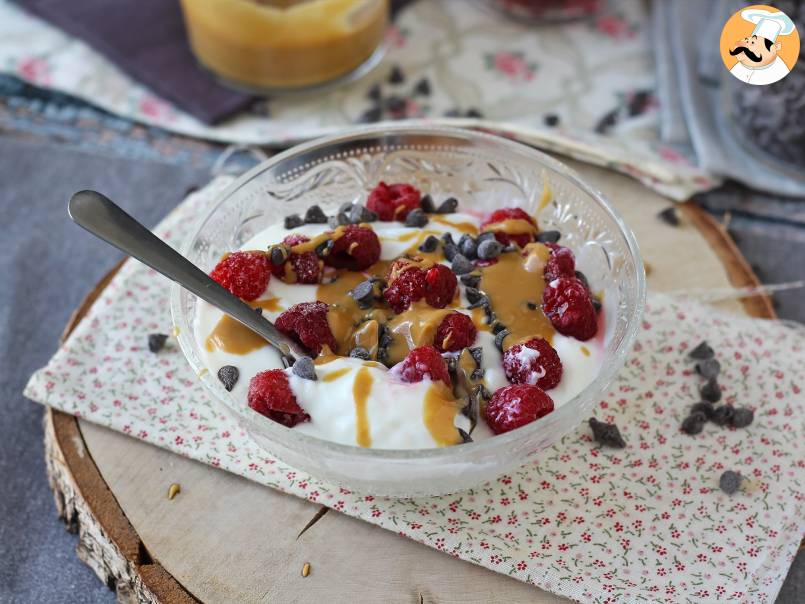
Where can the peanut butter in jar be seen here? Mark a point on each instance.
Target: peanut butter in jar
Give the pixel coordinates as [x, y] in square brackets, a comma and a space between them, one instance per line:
[275, 45]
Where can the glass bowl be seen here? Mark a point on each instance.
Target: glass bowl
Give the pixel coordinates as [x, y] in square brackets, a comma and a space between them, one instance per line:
[484, 172]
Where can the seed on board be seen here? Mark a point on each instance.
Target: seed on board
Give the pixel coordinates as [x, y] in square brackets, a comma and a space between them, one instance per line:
[722, 415]
[708, 368]
[304, 368]
[429, 245]
[607, 434]
[228, 374]
[694, 423]
[742, 417]
[489, 249]
[711, 391]
[703, 407]
[461, 265]
[701, 352]
[548, 236]
[416, 218]
[306, 569]
[668, 216]
[448, 206]
[293, 221]
[427, 205]
[730, 482]
[174, 490]
[315, 215]
[156, 341]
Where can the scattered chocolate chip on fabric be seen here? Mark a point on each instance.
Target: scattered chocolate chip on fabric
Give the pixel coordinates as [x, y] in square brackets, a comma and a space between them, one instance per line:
[461, 265]
[228, 374]
[708, 368]
[693, 423]
[548, 236]
[489, 249]
[430, 244]
[606, 434]
[722, 415]
[427, 205]
[448, 206]
[375, 92]
[702, 352]
[315, 215]
[416, 218]
[730, 482]
[472, 112]
[668, 216]
[711, 391]
[359, 352]
[422, 87]
[742, 417]
[293, 221]
[396, 76]
[371, 115]
[703, 407]
[156, 341]
[305, 368]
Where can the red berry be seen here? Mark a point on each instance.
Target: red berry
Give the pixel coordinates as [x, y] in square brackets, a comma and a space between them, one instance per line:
[423, 362]
[456, 331]
[357, 249]
[561, 263]
[306, 323]
[521, 239]
[245, 274]
[270, 395]
[304, 267]
[566, 302]
[515, 406]
[405, 285]
[534, 362]
[393, 202]
[440, 286]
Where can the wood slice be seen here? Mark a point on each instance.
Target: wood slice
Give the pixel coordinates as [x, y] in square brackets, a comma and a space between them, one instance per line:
[226, 539]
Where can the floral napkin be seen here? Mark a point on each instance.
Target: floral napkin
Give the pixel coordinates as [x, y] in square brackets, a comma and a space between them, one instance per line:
[647, 523]
[584, 88]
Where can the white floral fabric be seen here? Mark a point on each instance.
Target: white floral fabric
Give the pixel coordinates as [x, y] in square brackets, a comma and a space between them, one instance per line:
[647, 523]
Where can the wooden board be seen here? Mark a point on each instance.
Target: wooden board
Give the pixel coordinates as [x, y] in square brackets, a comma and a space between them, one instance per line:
[225, 539]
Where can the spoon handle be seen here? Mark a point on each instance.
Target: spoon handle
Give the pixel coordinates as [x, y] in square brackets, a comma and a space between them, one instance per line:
[103, 218]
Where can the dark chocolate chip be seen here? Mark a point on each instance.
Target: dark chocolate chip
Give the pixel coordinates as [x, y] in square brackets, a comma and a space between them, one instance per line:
[694, 423]
[396, 104]
[422, 87]
[448, 206]
[473, 407]
[371, 115]
[279, 254]
[305, 368]
[396, 76]
[583, 278]
[607, 434]
[596, 304]
[472, 112]
[722, 415]
[293, 221]
[730, 482]
[497, 327]
[701, 352]
[447, 239]
[323, 249]
[481, 302]
[461, 265]
[452, 113]
[430, 244]
[551, 120]
[473, 280]
[477, 355]
[468, 247]
[228, 374]
[501, 335]
[465, 438]
[416, 218]
[477, 374]
[364, 289]
[742, 417]
[452, 364]
[548, 236]
[359, 352]
[703, 407]
[315, 215]
[258, 310]
[668, 216]
[532, 305]
[708, 368]
[427, 205]
[450, 250]
[156, 341]
[711, 391]
[489, 249]
[473, 295]
[375, 92]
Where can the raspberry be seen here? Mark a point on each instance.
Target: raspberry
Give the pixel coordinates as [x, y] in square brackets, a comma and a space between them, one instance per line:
[306, 323]
[405, 285]
[357, 249]
[270, 395]
[534, 362]
[393, 202]
[521, 239]
[456, 331]
[423, 362]
[566, 302]
[306, 267]
[561, 263]
[515, 406]
[245, 274]
[440, 286]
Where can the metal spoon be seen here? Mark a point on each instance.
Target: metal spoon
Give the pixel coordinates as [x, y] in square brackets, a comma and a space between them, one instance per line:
[103, 218]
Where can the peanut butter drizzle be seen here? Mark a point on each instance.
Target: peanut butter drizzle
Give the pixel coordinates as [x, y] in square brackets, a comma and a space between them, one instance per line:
[585, 351]
[233, 337]
[438, 414]
[269, 304]
[545, 198]
[334, 375]
[415, 327]
[360, 392]
[510, 286]
[464, 227]
[312, 244]
[512, 226]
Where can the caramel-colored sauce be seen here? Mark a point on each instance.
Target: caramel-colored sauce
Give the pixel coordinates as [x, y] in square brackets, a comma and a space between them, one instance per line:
[585, 351]
[545, 198]
[360, 392]
[464, 227]
[334, 375]
[415, 327]
[233, 337]
[270, 304]
[439, 414]
[512, 226]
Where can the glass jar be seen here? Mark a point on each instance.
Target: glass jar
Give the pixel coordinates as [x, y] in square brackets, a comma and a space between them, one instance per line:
[281, 45]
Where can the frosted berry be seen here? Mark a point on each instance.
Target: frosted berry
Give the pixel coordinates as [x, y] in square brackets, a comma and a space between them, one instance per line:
[307, 324]
[533, 362]
[245, 274]
[515, 406]
[270, 395]
[456, 331]
[393, 202]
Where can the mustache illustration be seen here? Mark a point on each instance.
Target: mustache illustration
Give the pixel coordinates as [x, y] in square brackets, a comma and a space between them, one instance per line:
[750, 55]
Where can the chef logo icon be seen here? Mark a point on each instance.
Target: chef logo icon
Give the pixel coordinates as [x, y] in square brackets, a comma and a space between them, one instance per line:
[759, 45]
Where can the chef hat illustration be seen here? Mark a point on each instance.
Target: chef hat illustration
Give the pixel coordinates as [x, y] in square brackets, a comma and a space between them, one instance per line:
[768, 25]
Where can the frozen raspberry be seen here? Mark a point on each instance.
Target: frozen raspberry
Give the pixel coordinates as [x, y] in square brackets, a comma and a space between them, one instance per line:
[270, 395]
[456, 331]
[245, 274]
[521, 239]
[423, 362]
[561, 263]
[393, 202]
[440, 286]
[306, 323]
[534, 362]
[566, 302]
[406, 285]
[515, 406]
[305, 267]
[357, 249]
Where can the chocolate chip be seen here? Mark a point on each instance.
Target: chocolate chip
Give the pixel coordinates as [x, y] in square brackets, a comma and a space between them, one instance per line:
[473, 280]
[548, 236]
[430, 244]
[228, 374]
[416, 218]
[583, 278]
[355, 214]
[701, 352]
[359, 352]
[722, 415]
[465, 438]
[607, 434]
[668, 216]
[156, 341]
[481, 302]
[346, 207]
[694, 423]
[259, 311]
[315, 215]
[371, 115]
[396, 76]
[427, 205]
[422, 87]
[332, 221]
[742, 417]
[473, 295]
[448, 206]
[375, 92]
[532, 305]
[730, 482]
[703, 407]
[452, 113]
[293, 221]
[452, 364]
[473, 407]
[551, 120]
[279, 254]
[323, 249]
[472, 112]
[461, 265]
[708, 368]
[489, 249]
[363, 293]
[304, 368]
[477, 355]
[447, 239]
[450, 250]
[396, 104]
[477, 374]
[711, 391]
[467, 246]
[501, 335]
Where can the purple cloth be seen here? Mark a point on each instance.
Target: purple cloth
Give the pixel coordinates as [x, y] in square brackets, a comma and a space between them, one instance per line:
[147, 40]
